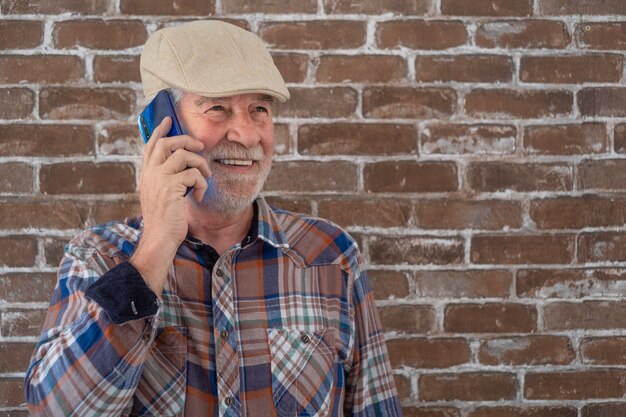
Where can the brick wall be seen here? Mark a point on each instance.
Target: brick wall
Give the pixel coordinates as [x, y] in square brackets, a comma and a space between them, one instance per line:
[474, 148]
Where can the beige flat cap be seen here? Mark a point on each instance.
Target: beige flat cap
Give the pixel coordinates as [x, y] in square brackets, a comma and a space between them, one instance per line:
[209, 58]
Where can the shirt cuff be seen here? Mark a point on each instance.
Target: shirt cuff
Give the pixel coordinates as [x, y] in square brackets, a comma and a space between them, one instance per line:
[123, 294]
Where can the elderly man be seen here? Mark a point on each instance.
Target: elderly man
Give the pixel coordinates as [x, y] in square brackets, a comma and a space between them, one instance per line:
[212, 303]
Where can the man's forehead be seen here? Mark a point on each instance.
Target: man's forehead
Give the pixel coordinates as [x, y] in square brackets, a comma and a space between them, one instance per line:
[201, 100]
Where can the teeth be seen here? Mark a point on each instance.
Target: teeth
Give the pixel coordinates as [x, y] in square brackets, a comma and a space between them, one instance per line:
[239, 162]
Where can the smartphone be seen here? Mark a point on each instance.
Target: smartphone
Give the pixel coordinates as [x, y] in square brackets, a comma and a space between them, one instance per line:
[160, 107]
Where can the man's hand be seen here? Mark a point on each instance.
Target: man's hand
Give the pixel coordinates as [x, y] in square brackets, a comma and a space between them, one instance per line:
[169, 167]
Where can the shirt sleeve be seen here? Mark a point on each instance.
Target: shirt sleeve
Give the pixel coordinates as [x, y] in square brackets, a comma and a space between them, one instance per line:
[370, 387]
[89, 357]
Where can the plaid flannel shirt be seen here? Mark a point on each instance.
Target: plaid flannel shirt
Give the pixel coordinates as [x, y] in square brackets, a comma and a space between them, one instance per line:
[282, 325]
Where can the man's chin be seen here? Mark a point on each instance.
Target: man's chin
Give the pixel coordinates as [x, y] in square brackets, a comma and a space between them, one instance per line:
[222, 200]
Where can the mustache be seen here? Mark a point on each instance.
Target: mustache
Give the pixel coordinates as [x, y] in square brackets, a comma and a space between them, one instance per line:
[231, 150]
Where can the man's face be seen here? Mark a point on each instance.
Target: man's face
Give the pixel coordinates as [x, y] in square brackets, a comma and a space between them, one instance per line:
[238, 137]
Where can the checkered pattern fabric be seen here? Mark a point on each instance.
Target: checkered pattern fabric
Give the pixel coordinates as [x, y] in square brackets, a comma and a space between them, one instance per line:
[284, 325]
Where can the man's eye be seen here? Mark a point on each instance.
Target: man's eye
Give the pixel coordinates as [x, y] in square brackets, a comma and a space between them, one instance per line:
[217, 107]
[261, 109]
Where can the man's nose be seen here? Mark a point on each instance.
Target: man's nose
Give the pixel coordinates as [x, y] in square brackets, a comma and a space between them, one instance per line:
[242, 129]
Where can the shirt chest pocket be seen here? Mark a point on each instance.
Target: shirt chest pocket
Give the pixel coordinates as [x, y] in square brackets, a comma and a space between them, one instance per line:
[302, 371]
[161, 389]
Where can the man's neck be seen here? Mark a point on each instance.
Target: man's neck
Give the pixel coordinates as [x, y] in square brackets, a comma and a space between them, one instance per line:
[218, 230]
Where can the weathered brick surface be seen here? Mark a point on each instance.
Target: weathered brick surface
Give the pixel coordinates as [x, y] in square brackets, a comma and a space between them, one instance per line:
[18, 34]
[474, 149]
[527, 34]
[475, 386]
[490, 318]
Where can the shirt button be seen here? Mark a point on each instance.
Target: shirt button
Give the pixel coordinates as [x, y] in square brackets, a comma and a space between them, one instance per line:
[224, 335]
[229, 401]
[146, 337]
[305, 339]
[219, 272]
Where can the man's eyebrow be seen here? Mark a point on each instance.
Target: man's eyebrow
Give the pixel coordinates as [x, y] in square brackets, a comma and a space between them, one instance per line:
[203, 100]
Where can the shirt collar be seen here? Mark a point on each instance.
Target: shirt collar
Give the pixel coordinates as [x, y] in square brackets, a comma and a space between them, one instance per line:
[269, 228]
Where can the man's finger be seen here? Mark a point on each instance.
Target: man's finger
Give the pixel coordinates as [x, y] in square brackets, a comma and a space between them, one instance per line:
[158, 132]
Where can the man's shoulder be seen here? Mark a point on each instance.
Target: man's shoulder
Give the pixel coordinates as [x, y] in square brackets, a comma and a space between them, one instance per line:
[112, 239]
[317, 240]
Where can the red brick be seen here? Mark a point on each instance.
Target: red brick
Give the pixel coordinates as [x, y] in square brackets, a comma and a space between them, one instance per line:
[312, 176]
[403, 385]
[605, 174]
[590, 211]
[571, 69]
[603, 410]
[20, 34]
[522, 249]
[408, 319]
[26, 287]
[17, 251]
[45, 140]
[406, 102]
[487, 7]
[54, 249]
[523, 34]
[104, 211]
[585, 315]
[593, 7]
[463, 284]
[273, 7]
[408, 176]
[428, 353]
[87, 178]
[295, 204]
[293, 67]
[361, 69]
[356, 139]
[99, 34]
[468, 139]
[17, 323]
[604, 350]
[11, 392]
[120, 139]
[415, 250]
[574, 385]
[527, 350]
[524, 104]
[330, 102]
[16, 103]
[501, 176]
[571, 283]
[379, 212]
[389, 284]
[490, 318]
[525, 412]
[85, 103]
[15, 69]
[401, 7]
[464, 68]
[464, 214]
[602, 35]
[620, 138]
[314, 34]
[421, 34]
[16, 177]
[468, 386]
[430, 412]
[571, 139]
[168, 7]
[15, 356]
[57, 6]
[602, 101]
[116, 68]
[42, 213]
[602, 247]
